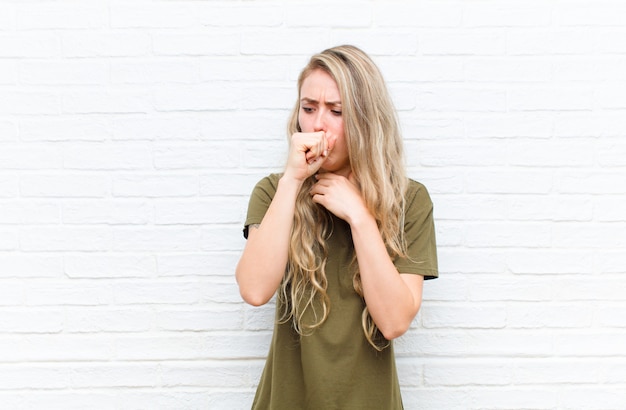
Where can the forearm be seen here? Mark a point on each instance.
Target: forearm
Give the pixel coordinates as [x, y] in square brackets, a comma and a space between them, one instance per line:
[390, 300]
[264, 259]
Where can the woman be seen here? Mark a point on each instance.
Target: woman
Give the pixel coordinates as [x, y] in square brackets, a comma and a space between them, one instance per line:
[344, 237]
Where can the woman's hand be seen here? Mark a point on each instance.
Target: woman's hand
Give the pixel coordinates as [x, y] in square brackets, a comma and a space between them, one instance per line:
[307, 153]
[340, 195]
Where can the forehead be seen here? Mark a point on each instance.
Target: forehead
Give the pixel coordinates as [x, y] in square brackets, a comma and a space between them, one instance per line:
[320, 83]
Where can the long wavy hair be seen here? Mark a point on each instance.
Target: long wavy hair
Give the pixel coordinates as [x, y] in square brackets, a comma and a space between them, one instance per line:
[376, 158]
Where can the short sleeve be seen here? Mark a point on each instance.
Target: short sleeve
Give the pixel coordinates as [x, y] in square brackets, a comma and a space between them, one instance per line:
[260, 201]
[419, 231]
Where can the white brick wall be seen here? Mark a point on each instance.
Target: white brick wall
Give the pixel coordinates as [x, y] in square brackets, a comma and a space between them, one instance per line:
[131, 134]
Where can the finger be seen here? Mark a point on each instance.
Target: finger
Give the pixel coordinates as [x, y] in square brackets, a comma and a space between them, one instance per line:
[331, 142]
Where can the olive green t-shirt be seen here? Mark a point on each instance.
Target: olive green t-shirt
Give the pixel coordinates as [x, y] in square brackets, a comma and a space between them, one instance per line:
[335, 368]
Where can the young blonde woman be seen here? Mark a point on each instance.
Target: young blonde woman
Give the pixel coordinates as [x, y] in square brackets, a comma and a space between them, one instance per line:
[343, 238]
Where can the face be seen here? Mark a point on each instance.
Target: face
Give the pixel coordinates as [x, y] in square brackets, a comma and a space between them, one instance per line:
[320, 110]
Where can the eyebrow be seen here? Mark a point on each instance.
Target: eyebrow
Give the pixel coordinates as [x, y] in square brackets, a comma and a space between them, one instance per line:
[313, 101]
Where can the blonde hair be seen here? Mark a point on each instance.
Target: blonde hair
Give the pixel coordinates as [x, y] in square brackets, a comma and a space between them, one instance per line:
[376, 158]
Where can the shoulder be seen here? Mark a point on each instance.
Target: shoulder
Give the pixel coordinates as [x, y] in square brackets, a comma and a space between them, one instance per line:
[417, 195]
[267, 185]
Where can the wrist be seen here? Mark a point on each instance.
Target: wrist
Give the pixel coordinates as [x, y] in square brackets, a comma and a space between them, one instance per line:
[289, 182]
[361, 219]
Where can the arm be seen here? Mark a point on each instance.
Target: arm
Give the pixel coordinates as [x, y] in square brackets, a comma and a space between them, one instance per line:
[264, 258]
[393, 299]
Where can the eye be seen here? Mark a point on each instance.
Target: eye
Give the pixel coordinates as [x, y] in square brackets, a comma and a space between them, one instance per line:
[307, 109]
[336, 112]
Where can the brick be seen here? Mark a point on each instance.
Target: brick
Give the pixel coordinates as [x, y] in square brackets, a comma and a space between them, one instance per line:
[109, 265]
[212, 211]
[581, 288]
[160, 346]
[542, 316]
[461, 98]
[12, 293]
[223, 238]
[499, 182]
[583, 398]
[509, 70]
[510, 125]
[464, 261]
[259, 318]
[64, 238]
[160, 16]
[462, 42]
[106, 44]
[549, 208]
[550, 371]
[147, 292]
[60, 16]
[107, 156]
[201, 264]
[62, 292]
[515, 398]
[9, 186]
[209, 43]
[588, 235]
[64, 72]
[29, 103]
[510, 289]
[215, 96]
[463, 316]
[156, 128]
[549, 261]
[107, 102]
[16, 321]
[237, 15]
[33, 376]
[513, 234]
[21, 265]
[68, 400]
[212, 374]
[515, 15]
[65, 129]
[113, 212]
[230, 318]
[94, 319]
[600, 14]
[157, 239]
[107, 375]
[28, 212]
[188, 156]
[30, 45]
[55, 347]
[350, 15]
[216, 184]
[30, 156]
[442, 155]
[467, 373]
[154, 71]
[590, 181]
[379, 42]
[559, 41]
[263, 42]
[245, 69]
[613, 316]
[154, 185]
[426, 128]
[8, 73]
[9, 239]
[403, 14]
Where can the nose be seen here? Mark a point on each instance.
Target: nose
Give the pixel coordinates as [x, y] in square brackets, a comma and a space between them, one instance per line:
[319, 124]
